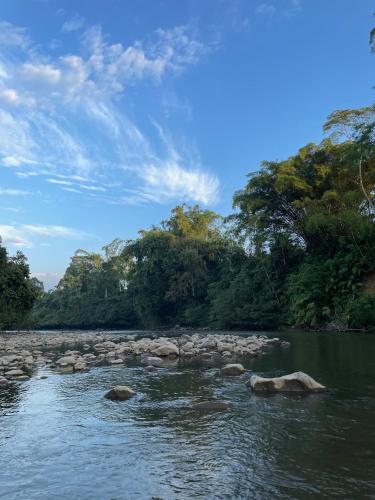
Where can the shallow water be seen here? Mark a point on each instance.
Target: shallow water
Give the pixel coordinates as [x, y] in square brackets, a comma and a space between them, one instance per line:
[60, 439]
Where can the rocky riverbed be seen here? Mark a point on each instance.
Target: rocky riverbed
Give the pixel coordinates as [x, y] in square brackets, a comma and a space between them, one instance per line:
[22, 353]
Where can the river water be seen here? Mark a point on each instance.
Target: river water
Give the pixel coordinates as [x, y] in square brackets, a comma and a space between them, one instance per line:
[60, 439]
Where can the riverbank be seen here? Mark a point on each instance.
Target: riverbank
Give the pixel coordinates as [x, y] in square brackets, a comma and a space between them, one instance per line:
[22, 353]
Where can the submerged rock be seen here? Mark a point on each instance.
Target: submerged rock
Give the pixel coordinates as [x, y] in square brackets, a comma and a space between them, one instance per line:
[212, 406]
[120, 393]
[150, 368]
[3, 381]
[294, 382]
[233, 369]
[152, 361]
[284, 344]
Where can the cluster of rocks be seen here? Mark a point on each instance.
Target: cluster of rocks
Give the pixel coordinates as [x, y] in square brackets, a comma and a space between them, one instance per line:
[21, 354]
[294, 383]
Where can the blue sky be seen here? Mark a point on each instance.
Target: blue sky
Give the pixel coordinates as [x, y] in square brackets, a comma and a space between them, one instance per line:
[114, 111]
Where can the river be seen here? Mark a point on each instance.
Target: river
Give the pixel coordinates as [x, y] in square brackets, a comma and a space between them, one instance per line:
[61, 439]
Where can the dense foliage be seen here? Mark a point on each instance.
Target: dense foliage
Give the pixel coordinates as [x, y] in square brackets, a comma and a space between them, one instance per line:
[298, 251]
[18, 291]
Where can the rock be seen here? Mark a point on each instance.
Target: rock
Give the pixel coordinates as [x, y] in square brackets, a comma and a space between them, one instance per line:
[294, 382]
[188, 346]
[150, 368]
[80, 366]
[3, 382]
[115, 362]
[14, 373]
[212, 406]
[67, 360]
[233, 369]
[226, 354]
[111, 354]
[22, 377]
[284, 344]
[108, 344]
[206, 355]
[65, 368]
[167, 349]
[188, 354]
[152, 361]
[120, 393]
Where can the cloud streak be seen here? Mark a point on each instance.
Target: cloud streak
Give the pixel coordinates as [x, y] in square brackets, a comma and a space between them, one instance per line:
[63, 118]
[23, 235]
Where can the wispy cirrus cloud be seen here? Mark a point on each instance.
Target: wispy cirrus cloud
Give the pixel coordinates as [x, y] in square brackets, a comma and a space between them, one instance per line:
[12, 192]
[279, 9]
[64, 117]
[75, 23]
[23, 235]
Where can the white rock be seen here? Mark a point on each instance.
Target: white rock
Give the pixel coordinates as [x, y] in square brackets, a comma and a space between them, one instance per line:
[233, 369]
[294, 382]
[167, 349]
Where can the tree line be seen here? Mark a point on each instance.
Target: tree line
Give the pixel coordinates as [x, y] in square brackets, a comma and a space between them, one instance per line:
[299, 250]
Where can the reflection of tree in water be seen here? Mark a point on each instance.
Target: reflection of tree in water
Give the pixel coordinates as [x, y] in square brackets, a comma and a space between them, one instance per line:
[168, 398]
[10, 398]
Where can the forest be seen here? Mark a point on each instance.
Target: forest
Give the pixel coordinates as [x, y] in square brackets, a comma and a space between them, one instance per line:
[298, 251]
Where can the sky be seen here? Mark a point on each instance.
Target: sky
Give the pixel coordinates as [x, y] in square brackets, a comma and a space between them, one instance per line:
[112, 112]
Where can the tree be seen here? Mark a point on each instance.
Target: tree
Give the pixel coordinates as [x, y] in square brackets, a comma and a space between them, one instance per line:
[17, 291]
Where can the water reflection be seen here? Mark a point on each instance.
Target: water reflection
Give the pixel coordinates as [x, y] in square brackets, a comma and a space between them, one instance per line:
[59, 438]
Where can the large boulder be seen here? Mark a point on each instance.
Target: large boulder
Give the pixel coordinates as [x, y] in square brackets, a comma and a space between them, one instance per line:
[167, 349]
[120, 393]
[233, 369]
[294, 382]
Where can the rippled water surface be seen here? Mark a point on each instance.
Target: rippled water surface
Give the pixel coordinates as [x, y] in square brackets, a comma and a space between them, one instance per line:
[60, 439]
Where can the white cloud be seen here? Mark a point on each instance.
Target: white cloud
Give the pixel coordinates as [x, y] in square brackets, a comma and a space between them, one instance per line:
[10, 235]
[11, 161]
[266, 9]
[280, 9]
[11, 35]
[41, 73]
[53, 231]
[63, 120]
[171, 181]
[59, 182]
[73, 24]
[12, 192]
[9, 96]
[24, 235]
